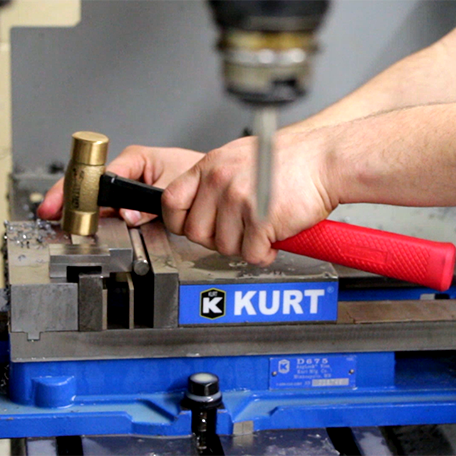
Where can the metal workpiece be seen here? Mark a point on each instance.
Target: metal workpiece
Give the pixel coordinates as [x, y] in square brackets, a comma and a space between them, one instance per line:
[141, 265]
[113, 233]
[165, 275]
[93, 303]
[40, 251]
[63, 257]
[78, 240]
[88, 157]
[110, 251]
[196, 264]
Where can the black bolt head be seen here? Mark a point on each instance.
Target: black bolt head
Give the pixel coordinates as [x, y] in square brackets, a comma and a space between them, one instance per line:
[203, 384]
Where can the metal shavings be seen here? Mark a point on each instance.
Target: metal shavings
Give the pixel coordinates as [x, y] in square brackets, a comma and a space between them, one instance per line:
[30, 234]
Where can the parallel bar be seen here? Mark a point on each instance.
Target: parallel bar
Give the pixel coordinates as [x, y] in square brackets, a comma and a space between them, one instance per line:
[93, 311]
[131, 302]
[165, 273]
[140, 264]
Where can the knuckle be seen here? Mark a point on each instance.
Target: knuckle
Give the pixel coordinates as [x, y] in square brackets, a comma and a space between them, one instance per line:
[225, 247]
[251, 256]
[169, 199]
[217, 172]
[219, 176]
[236, 195]
[194, 233]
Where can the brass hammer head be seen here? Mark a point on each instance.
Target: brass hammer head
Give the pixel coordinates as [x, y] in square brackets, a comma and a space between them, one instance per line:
[82, 180]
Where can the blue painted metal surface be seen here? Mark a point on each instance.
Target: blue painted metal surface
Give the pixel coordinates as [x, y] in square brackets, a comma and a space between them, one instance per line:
[258, 303]
[143, 396]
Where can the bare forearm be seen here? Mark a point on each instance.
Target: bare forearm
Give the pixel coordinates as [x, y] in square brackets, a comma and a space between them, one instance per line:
[425, 77]
[406, 157]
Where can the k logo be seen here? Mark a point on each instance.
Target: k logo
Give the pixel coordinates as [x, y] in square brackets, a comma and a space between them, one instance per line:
[284, 366]
[212, 303]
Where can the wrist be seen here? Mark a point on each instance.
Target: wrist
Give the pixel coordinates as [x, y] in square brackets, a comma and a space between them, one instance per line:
[310, 157]
[330, 176]
[347, 173]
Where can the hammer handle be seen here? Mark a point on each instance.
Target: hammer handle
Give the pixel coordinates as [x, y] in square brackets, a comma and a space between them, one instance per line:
[393, 255]
[119, 192]
[419, 261]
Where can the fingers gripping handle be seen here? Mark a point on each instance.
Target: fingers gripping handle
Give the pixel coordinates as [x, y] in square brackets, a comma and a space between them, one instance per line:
[401, 257]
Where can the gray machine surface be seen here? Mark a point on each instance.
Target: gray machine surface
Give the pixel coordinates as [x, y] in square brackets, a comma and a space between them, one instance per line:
[176, 99]
[366, 441]
[313, 442]
[153, 75]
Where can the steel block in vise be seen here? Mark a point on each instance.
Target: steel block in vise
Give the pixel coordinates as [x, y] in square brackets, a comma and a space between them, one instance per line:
[58, 286]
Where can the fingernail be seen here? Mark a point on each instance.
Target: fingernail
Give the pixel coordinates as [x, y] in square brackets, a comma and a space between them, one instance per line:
[132, 217]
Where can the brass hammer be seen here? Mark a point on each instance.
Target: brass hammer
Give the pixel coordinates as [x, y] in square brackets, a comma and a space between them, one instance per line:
[87, 187]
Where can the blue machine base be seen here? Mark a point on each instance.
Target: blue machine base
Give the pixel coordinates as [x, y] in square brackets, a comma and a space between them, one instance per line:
[143, 397]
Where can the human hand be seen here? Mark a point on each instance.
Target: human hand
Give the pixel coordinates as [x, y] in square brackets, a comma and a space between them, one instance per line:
[213, 203]
[152, 165]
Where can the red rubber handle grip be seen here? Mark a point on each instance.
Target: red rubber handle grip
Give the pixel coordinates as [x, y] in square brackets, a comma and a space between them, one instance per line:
[393, 255]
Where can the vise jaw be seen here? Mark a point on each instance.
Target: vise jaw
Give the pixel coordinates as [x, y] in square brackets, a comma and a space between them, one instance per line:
[57, 282]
